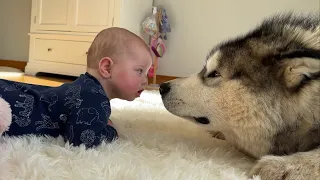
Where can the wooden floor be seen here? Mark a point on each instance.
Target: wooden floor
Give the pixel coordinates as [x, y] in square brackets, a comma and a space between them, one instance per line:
[47, 80]
[36, 80]
[57, 80]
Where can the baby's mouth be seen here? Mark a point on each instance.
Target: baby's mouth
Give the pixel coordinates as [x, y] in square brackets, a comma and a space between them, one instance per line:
[140, 91]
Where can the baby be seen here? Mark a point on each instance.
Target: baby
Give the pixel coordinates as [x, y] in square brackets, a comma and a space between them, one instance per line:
[117, 66]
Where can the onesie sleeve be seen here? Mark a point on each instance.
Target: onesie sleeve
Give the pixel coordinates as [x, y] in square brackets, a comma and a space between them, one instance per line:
[87, 123]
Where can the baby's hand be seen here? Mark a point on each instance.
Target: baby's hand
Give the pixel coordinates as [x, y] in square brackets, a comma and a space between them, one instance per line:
[110, 123]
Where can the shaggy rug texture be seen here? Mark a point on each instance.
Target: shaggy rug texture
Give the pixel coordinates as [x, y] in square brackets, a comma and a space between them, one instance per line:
[153, 145]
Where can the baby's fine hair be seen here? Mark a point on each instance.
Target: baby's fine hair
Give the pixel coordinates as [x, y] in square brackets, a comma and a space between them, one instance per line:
[110, 42]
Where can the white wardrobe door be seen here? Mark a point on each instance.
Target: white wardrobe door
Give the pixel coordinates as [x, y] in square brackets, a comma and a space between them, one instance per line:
[53, 15]
[91, 15]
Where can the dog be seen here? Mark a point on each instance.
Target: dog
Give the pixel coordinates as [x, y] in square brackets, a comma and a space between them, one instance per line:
[261, 92]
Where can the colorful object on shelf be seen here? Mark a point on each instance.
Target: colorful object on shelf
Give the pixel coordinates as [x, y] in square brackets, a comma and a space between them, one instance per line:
[158, 47]
[151, 72]
[164, 26]
[156, 26]
[150, 25]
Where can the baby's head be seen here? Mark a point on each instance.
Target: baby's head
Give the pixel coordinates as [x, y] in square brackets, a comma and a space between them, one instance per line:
[120, 60]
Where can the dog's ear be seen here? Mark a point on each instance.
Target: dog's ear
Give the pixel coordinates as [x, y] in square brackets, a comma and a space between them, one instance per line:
[298, 67]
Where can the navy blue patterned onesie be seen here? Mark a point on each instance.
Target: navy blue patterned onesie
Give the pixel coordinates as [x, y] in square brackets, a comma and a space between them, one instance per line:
[78, 111]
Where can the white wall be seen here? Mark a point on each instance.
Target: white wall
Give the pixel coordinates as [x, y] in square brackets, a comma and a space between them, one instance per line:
[15, 24]
[196, 27]
[199, 25]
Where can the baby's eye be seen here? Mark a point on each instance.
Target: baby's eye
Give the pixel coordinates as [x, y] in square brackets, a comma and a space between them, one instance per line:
[140, 71]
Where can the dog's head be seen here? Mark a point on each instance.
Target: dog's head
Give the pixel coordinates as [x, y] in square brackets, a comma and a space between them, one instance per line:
[255, 84]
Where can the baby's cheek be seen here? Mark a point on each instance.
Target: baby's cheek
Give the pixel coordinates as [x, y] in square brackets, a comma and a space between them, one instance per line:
[127, 84]
[123, 78]
[128, 80]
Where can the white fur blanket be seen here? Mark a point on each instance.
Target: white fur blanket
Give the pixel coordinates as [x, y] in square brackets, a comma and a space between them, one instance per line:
[153, 145]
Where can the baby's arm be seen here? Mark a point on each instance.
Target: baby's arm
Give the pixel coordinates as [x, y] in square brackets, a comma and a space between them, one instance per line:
[90, 133]
[89, 126]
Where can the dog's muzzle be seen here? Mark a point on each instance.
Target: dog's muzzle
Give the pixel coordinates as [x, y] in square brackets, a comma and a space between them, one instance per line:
[164, 88]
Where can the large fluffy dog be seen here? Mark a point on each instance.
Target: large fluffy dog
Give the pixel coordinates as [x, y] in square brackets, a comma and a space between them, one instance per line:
[262, 92]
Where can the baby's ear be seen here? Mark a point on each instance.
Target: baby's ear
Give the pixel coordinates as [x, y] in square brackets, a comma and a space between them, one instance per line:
[299, 67]
[105, 65]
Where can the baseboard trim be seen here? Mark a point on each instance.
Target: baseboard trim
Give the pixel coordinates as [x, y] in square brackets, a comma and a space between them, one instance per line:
[161, 79]
[14, 64]
[22, 65]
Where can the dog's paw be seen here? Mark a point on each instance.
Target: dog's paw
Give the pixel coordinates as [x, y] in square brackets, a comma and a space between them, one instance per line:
[300, 166]
[270, 168]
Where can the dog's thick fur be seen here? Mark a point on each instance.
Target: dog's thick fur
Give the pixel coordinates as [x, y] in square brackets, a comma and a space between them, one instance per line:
[261, 91]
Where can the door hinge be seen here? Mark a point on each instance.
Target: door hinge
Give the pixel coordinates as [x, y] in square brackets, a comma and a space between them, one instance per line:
[35, 19]
[112, 21]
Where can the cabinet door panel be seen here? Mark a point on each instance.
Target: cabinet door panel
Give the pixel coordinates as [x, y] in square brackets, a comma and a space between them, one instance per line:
[91, 15]
[53, 15]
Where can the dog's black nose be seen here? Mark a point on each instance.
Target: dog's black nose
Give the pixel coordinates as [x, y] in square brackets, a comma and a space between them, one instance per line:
[164, 88]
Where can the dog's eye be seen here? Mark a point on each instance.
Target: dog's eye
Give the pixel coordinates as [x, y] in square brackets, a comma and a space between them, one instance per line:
[213, 74]
[237, 75]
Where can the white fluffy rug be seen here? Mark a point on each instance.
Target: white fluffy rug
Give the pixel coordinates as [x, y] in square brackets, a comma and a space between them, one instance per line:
[6, 71]
[153, 145]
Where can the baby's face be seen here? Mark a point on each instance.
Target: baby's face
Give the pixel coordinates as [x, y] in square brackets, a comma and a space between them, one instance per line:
[129, 75]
